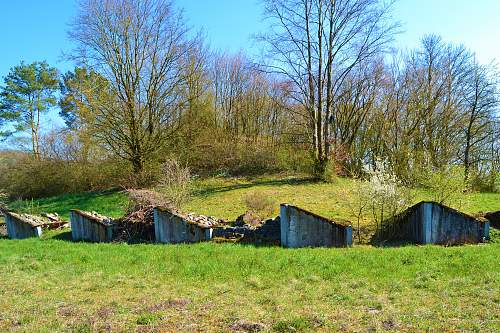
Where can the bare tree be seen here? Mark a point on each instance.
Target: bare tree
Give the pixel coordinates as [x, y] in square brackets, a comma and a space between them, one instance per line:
[139, 46]
[315, 44]
[481, 101]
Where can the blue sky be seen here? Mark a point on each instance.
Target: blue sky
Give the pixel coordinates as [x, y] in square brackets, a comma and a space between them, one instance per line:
[36, 29]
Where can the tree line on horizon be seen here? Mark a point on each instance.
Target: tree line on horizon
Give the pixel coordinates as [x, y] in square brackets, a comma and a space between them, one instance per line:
[330, 96]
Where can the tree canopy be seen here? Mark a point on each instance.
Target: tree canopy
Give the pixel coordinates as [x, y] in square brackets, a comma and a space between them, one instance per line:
[29, 90]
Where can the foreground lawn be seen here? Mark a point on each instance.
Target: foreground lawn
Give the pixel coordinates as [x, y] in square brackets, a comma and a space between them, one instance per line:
[54, 285]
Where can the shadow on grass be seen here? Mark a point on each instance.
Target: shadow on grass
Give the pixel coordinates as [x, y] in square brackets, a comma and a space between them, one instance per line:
[256, 245]
[267, 182]
[67, 237]
[75, 200]
[392, 243]
[109, 201]
[64, 236]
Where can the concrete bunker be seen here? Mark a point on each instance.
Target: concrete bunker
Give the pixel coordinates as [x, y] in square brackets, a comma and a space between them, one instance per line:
[172, 227]
[20, 226]
[300, 228]
[90, 227]
[433, 223]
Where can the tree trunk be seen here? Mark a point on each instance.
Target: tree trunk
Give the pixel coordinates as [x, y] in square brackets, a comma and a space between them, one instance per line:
[137, 164]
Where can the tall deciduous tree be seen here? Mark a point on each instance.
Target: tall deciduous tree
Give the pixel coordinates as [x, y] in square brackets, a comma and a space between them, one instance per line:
[139, 47]
[316, 44]
[481, 101]
[29, 92]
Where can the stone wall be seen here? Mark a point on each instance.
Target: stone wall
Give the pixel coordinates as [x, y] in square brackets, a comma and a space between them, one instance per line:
[267, 233]
[173, 228]
[300, 228]
[90, 227]
[433, 223]
[19, 227]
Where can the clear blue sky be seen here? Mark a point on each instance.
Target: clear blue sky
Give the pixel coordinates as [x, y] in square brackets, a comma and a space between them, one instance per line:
[36, 29]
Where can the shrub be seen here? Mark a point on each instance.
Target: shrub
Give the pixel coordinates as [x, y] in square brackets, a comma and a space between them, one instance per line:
[447, 185]
[259, 204]
[325, 170]
[176, 182]
[148, 177]
[484, 182]
[143, 199]
[295, 159]
[386, 194]
[3, 199]
[358, 199]
[22, 176]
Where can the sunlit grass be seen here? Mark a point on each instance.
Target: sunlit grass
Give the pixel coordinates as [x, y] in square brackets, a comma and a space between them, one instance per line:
[223, 197]
[51, 285]
[110, 203]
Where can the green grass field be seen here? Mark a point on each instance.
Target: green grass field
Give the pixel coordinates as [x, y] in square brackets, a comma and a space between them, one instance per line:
[224, 197]
[54, 285]
[113, 203]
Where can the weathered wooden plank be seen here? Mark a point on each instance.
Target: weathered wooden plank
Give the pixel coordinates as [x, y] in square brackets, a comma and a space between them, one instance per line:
[88, 227]
[171, 228]
[300, 228]
[19, 227]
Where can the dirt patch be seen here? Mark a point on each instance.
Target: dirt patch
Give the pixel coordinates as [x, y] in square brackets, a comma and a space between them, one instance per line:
[243, 326]
[67, 311]
[388, 325]
[3, 229]
[105, 312]
[170, 304]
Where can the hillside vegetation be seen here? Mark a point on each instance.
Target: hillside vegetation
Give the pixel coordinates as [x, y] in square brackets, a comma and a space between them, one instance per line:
[57, 285]
[224, 198]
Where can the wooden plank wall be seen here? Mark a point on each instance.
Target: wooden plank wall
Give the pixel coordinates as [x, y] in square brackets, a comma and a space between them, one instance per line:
[18, 228]
[87, 228]
[300, 228]
[171, 228]
[433, 223]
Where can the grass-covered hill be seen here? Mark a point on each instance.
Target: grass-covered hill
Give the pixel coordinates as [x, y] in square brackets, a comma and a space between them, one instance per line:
[224, 198]
[54, 285]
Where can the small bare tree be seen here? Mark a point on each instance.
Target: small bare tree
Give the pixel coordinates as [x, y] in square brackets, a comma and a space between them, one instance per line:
[358, 201]
[176, 182]
[315, 44]
[139, 47]
[481, 101]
